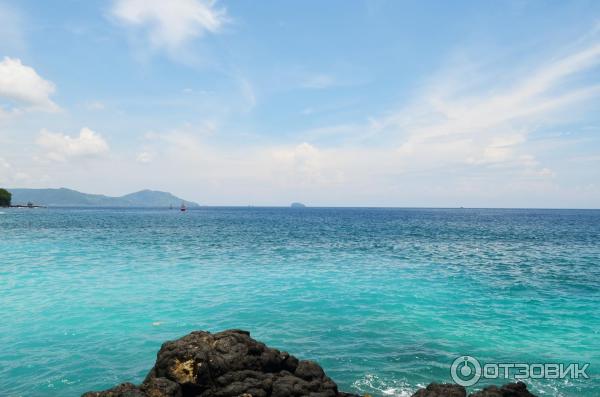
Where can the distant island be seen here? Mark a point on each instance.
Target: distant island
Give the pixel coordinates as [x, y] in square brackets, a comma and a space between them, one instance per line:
[71, 198]
[297, 205]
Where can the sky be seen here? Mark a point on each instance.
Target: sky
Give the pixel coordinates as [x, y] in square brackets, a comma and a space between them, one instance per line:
[330, 103]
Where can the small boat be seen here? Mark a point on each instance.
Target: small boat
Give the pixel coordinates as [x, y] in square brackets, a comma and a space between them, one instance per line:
[183, 207]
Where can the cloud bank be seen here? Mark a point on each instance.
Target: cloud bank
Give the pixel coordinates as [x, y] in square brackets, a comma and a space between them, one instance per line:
[452, 143]
[61, 147]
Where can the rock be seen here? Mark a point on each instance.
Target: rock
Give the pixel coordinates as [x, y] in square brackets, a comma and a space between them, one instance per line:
[297, 205]
[441, 390]
[518, 389]
[123, 390]
[232, 364]
[227, 364]
[159, 387]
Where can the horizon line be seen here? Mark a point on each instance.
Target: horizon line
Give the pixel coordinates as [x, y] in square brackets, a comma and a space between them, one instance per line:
[201, 206]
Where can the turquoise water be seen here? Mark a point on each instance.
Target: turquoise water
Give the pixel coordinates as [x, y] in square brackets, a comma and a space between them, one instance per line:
[384, 299]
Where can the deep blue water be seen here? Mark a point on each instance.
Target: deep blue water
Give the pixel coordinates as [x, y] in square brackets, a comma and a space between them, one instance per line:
[384, 299]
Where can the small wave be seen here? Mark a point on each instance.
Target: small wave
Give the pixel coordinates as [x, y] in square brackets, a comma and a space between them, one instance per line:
[371, 383]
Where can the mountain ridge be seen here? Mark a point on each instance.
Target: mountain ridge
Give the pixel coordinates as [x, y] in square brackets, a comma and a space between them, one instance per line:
[64, 197]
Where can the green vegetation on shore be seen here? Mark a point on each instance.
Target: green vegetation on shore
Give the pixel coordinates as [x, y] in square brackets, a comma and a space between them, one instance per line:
[5, 198]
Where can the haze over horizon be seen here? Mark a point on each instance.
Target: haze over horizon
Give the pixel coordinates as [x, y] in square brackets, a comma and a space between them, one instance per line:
[364, 103]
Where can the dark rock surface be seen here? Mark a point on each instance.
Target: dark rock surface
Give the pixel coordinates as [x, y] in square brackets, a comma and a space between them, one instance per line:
[227, 364]
[518, 389]
[441, 390]
[232, 364]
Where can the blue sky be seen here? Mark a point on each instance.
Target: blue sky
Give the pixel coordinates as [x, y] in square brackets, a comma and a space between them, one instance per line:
[370, 103]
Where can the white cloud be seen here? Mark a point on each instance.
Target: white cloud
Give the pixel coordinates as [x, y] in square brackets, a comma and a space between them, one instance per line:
[61, 147]
[170, 24]
[299, 165]
[23, 88]
[452, 123]
[455, 143]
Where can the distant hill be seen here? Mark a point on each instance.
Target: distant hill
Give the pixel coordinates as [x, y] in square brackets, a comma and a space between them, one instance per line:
[71, 198]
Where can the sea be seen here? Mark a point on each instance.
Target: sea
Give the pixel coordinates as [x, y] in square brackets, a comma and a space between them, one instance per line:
[384, 299]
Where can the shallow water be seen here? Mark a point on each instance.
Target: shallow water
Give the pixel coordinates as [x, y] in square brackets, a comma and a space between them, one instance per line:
[384, 299]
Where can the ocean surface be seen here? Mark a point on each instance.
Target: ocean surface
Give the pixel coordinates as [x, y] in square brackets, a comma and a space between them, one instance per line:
[383, 299]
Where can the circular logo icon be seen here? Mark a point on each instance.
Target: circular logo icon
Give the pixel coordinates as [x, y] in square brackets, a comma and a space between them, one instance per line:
[466, 371]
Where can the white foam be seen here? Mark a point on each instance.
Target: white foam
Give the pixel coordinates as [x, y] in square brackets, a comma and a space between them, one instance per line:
[372, 383]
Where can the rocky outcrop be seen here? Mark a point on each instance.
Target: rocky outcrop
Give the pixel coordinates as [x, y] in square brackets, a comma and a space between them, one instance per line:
[232, 364]
[441, 390]
[518, 389]
[227, 364]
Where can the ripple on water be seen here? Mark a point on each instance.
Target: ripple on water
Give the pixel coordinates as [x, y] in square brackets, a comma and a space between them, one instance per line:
[384, 299]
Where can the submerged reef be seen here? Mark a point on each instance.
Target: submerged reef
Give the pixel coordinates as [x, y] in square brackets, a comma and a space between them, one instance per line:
[232, 364]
